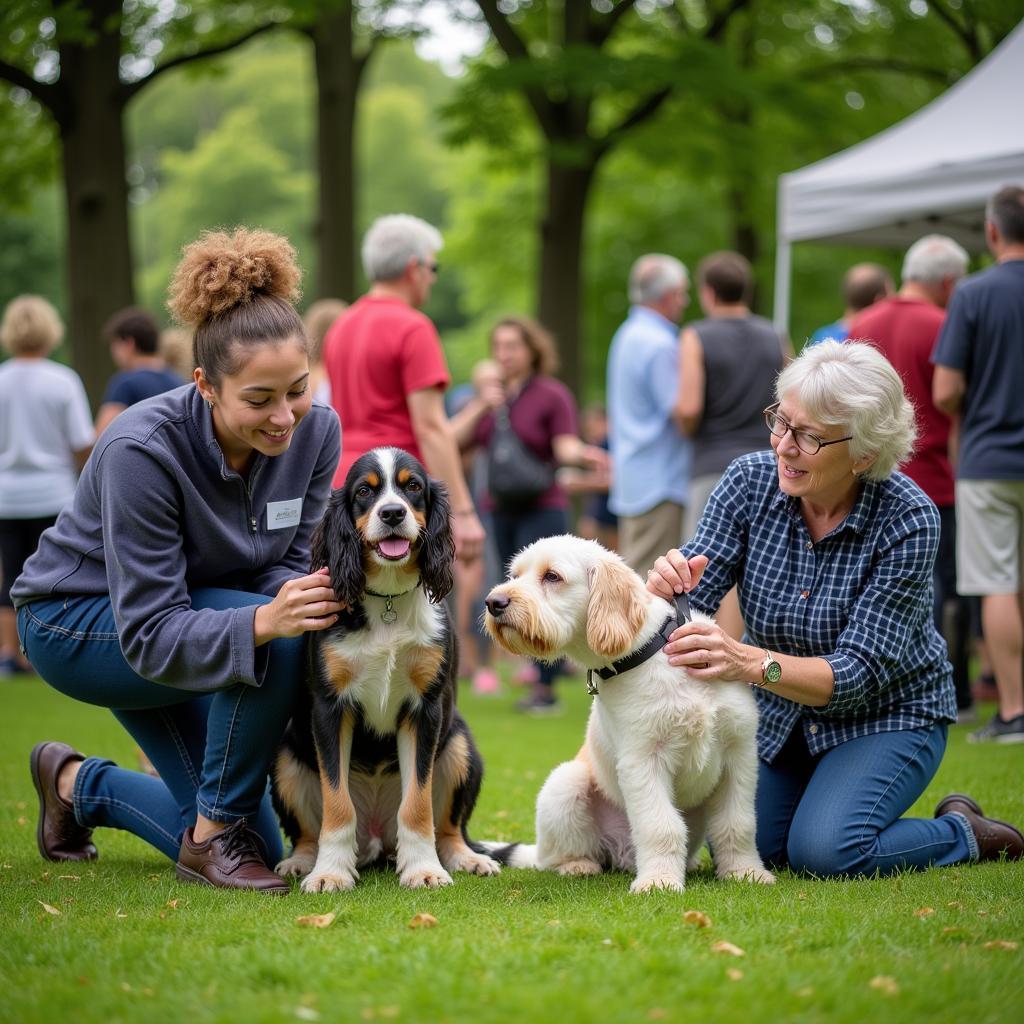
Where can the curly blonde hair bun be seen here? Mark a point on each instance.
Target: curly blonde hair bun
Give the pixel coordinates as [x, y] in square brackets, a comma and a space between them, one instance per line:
[221, 270]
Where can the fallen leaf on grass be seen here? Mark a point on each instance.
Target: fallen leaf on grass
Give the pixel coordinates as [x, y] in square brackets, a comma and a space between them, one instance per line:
[884, 984]
[1000, 944]
[697, 918]
[173, 904]
[68, 878]
[120, 913]
[734, 974]
[924, 912]
[956, 904]
[422, 921]
[952, 930]
[22, 820]
[982, 913]
[657, 1013]
[726, 947]
[307, 1012]
[48, 908]
[315, 920]
[804, 993]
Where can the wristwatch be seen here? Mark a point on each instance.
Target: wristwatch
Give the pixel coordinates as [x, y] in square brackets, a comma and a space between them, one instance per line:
[771, 670]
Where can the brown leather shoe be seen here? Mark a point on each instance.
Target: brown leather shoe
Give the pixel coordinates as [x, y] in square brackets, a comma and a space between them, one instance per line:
[58, 835]
[994, 837]
[228, 860]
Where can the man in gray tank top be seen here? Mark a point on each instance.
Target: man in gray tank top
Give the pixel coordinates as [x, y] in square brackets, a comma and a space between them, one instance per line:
[728, 365]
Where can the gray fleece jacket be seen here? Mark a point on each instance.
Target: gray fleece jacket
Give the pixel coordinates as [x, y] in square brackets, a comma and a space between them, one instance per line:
[158, 513]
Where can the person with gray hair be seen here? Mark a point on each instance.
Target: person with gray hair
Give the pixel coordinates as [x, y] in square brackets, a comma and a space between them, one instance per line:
[650, 456]
[393, 241]
[904, 328]
[979, 376]
[832, 552]
[387, 371]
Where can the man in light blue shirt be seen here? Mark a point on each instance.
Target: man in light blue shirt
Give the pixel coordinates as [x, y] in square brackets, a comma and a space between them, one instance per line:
[650, 455]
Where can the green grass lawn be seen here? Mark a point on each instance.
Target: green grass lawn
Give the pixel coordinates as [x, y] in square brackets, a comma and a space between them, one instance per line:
[130, 943]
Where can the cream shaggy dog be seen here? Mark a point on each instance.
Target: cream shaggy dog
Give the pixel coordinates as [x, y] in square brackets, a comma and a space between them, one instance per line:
[667, 759]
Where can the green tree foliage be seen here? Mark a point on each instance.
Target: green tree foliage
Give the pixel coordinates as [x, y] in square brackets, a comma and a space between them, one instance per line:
[83, 61]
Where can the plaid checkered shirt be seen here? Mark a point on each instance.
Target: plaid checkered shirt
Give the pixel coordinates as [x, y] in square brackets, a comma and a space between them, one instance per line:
[861, 598]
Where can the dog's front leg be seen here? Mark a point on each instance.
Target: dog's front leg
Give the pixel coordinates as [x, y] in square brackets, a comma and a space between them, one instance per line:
[418, 864]
[732, 822]
[335, 867]
[658, 829]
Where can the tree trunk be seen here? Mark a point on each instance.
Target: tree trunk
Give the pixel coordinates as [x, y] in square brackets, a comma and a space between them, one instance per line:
[560, 289]
[99, 261]
[338, 71]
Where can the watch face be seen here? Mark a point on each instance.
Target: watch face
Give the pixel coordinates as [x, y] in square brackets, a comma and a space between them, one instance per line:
[773, 672]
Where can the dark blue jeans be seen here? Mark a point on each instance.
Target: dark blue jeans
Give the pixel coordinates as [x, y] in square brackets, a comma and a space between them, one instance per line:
[838, 813]
[513, 531]
[212, 751]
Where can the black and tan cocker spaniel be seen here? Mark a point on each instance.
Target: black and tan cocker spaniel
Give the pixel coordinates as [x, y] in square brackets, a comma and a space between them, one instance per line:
[381, 763]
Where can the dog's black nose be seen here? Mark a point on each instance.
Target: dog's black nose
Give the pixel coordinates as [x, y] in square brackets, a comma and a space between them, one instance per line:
[496, 604]
[392, 515]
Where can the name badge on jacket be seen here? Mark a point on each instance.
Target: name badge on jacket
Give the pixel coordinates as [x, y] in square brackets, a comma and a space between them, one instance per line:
[282, 514]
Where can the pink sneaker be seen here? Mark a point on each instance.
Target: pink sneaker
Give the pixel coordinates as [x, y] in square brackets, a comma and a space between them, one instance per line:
[485, 681]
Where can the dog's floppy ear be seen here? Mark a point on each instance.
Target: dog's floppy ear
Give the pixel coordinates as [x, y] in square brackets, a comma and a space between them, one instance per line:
[437, 552]
[336, 544]
[617, 609]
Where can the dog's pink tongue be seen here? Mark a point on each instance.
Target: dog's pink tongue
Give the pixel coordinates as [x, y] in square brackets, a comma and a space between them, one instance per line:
[394, 547]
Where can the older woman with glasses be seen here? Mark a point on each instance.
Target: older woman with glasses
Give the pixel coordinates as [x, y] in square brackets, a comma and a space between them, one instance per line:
[832, 552]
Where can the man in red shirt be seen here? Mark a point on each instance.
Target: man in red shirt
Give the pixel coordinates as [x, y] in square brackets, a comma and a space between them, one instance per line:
[904, 328]
[387, 371]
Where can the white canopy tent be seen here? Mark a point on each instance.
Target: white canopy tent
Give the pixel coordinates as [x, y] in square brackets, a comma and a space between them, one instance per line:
[931, 172]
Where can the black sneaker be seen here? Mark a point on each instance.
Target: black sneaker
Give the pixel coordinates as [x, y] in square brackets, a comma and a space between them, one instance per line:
[999, 731]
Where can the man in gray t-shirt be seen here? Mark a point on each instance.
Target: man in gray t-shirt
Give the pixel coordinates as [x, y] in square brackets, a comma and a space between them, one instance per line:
[979, 375]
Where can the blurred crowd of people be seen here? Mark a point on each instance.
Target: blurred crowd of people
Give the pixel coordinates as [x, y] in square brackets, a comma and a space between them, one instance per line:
[682, 404]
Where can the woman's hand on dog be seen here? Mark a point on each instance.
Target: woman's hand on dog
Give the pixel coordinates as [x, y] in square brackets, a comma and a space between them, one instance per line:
[702, 648]
[674, 574]
[706, 651]
[303, 605]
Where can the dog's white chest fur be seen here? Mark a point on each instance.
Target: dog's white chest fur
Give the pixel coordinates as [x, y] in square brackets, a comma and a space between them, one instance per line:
[381, 657]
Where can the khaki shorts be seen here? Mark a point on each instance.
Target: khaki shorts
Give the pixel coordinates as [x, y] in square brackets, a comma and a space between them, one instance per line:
[989, 536]
[645, 537]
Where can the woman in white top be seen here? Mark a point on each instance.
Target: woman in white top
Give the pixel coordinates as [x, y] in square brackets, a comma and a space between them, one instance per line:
[46, 435]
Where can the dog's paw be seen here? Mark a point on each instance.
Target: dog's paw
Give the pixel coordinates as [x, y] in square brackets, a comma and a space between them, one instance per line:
[580, 866]
[298, 865]
[324, 881]
[472, 863]
[753, 873]
[429, 877]
[667, 882]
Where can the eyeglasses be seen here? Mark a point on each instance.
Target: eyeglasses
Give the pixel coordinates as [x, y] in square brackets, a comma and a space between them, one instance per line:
[433, 267]
[808, 443]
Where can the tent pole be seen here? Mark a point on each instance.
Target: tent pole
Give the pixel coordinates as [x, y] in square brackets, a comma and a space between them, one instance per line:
[783, 270]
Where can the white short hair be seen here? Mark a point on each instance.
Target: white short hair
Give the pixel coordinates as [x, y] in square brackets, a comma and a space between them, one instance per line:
[653, 275]
[394, 240]
[933, 258]
[853, 386]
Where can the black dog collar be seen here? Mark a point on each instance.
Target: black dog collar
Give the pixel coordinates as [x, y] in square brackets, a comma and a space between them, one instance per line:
[649, 649]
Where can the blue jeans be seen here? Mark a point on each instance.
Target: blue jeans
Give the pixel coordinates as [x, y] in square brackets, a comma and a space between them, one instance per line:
[838, 813]
[212, 750]
[513, 531]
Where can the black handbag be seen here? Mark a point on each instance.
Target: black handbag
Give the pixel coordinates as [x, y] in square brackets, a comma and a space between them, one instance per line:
[515, 476]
